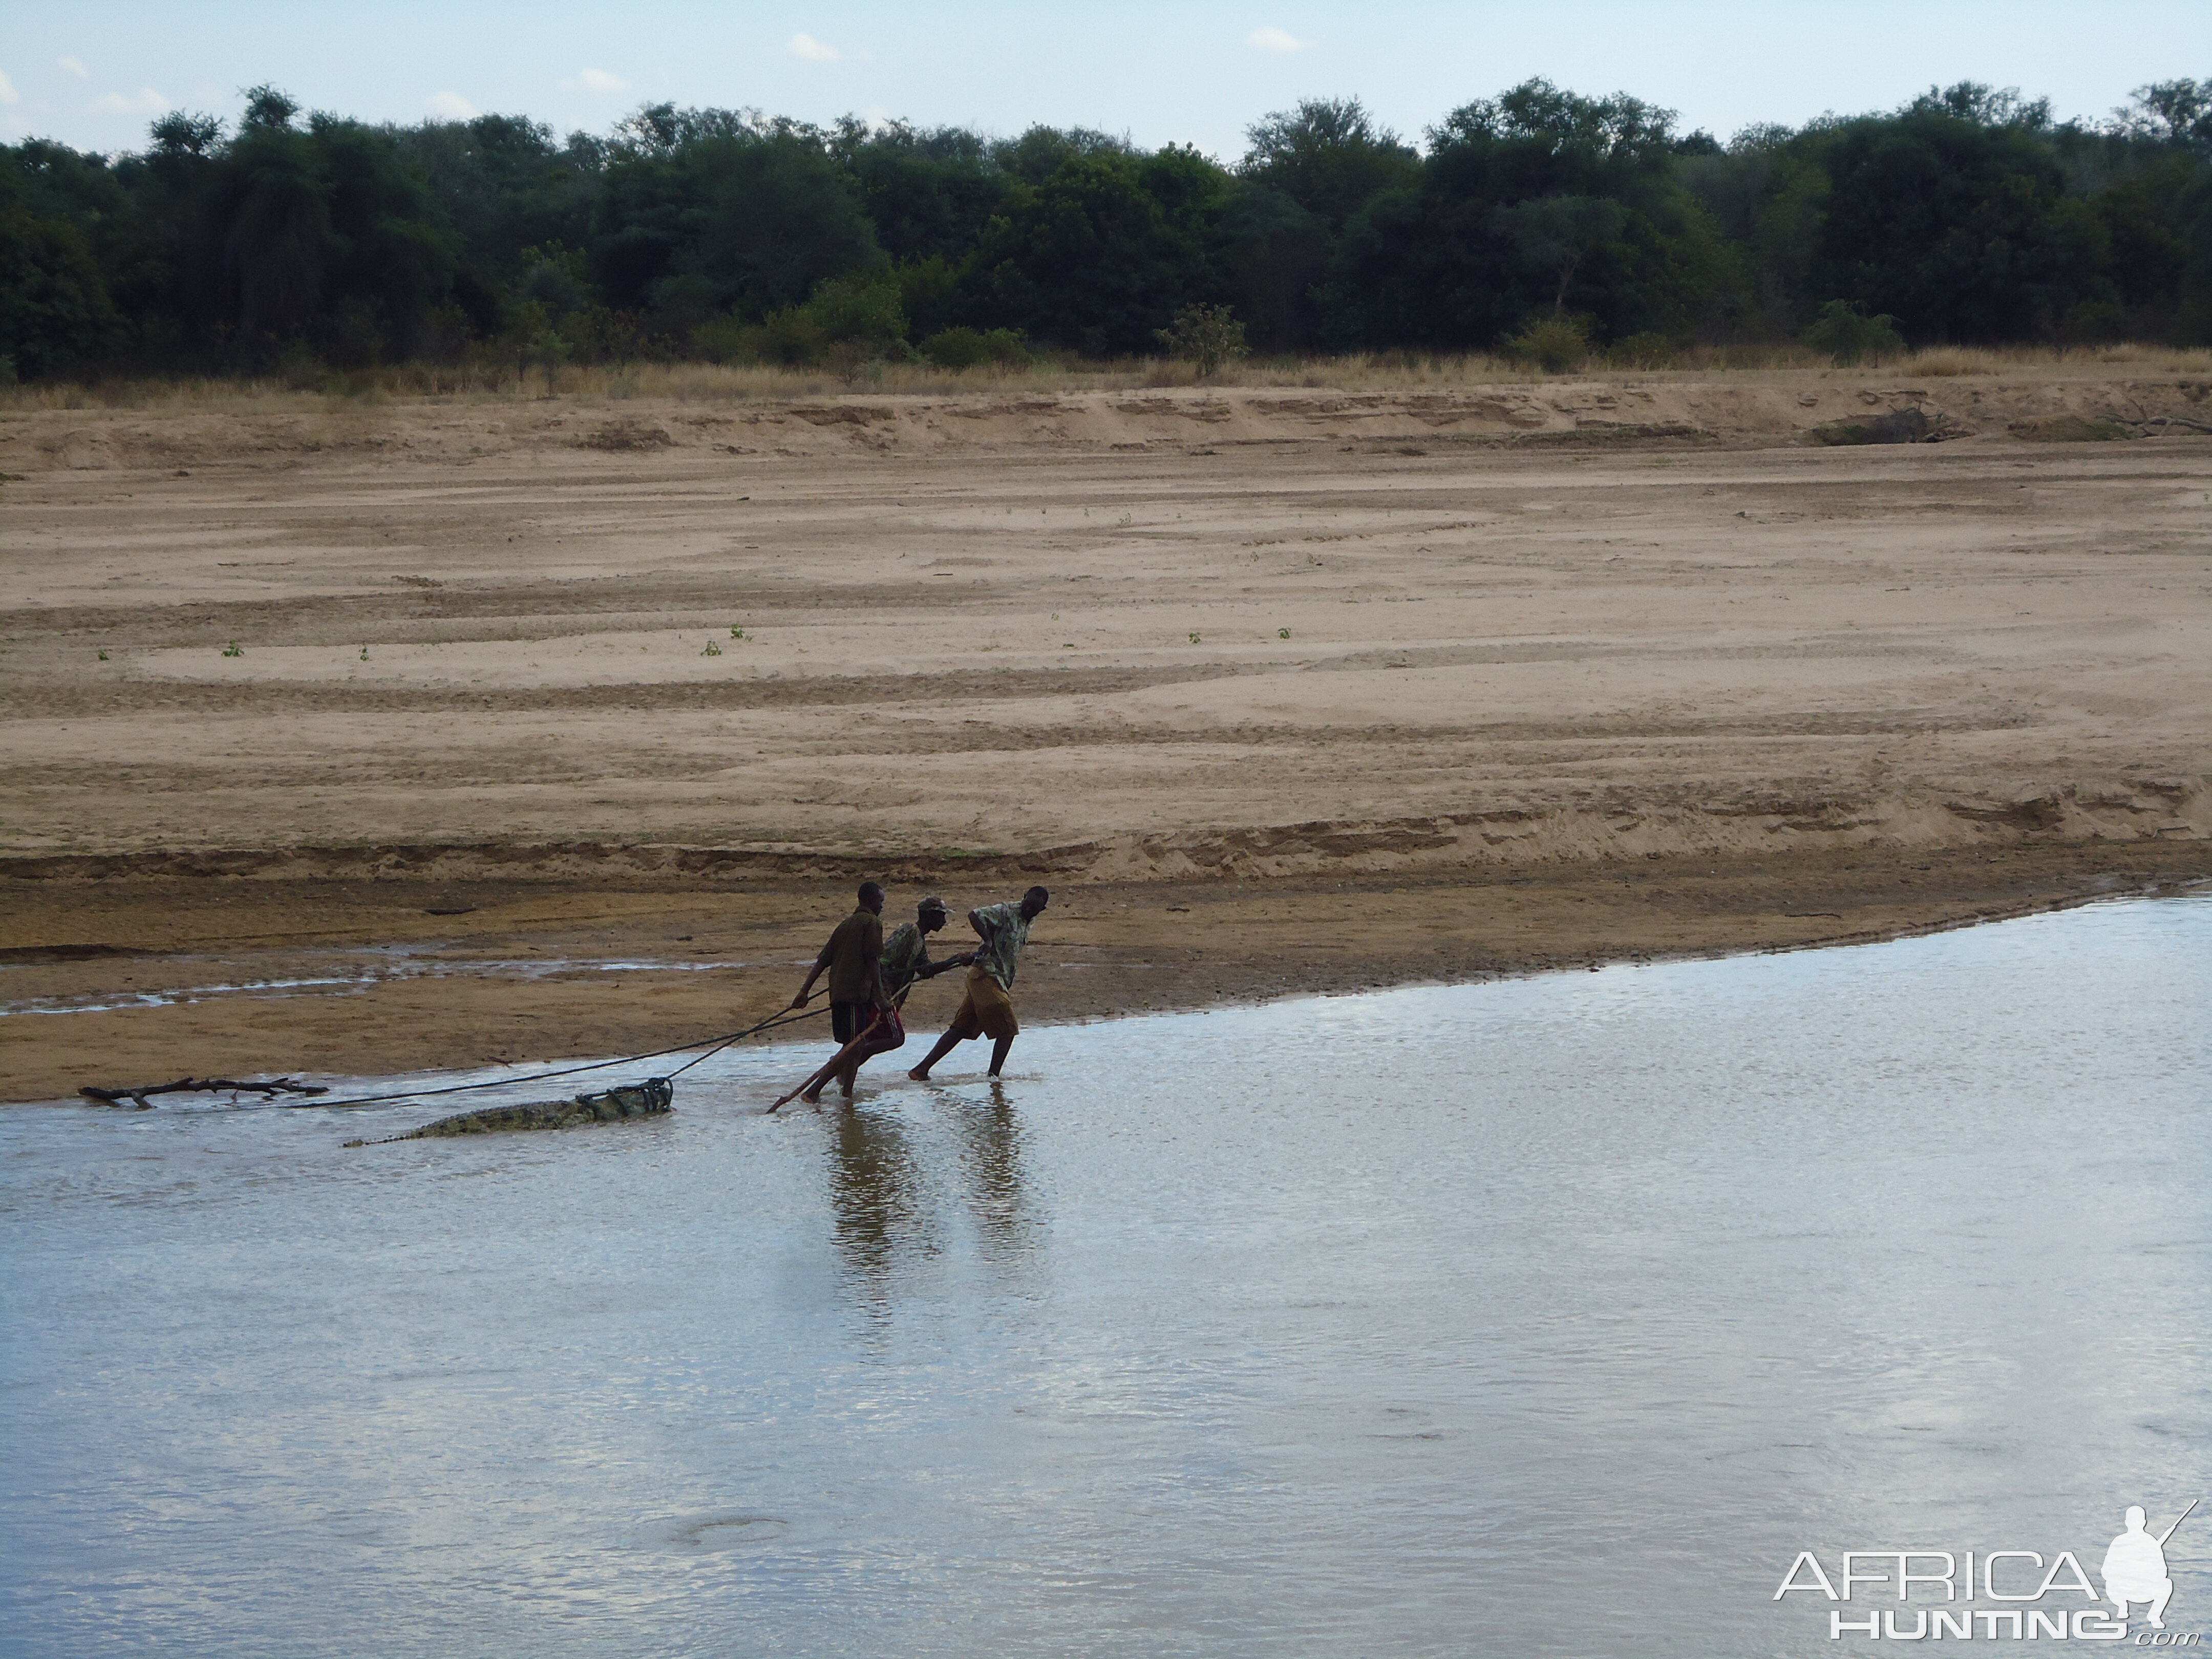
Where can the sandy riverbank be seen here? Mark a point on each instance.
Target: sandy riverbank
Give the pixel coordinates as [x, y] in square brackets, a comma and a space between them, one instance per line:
[1587, 670]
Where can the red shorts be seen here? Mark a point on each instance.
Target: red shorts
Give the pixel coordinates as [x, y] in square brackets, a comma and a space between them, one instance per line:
[849, 1019]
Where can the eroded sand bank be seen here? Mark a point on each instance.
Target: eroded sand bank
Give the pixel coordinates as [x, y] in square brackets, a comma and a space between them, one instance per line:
[1445, 670]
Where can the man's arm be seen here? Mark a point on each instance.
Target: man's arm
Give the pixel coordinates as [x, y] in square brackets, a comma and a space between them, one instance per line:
[820, 962]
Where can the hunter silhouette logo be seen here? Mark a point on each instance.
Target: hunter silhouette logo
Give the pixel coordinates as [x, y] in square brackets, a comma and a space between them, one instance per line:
[2135, 1567]
[2020, 1583]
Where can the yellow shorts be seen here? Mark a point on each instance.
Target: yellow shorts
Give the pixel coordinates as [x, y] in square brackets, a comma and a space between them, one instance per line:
[986, 1011]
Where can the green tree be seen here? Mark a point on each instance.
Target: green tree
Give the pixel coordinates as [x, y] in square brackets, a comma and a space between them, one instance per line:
[1206, 336]
[1556, 234]
[1306, 170]
[1538, 199]
[1105, 250]
[1849, 336]
[1329, 156]
[929, 194]
[705, 210]
[1952, 225]
[54, 309]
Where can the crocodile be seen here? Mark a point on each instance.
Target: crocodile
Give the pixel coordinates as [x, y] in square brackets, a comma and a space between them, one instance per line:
[651, 1098]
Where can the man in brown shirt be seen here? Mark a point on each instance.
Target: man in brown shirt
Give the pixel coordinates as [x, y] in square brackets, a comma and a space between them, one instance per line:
[853, 957]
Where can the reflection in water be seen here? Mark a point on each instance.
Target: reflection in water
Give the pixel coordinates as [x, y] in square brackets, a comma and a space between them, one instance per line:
[872, 1184]
[888, 1186]
[991, 1153]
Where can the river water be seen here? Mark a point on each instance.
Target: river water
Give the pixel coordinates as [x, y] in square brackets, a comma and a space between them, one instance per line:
[1546, 1316]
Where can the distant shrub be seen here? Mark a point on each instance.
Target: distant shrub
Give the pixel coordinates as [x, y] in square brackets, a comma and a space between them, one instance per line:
[964, 348]
[2071, 430]
[956, 348]
[725, 340]
[2093, 322]
[1206, 336]
[1849, 336]
[300, 369]
[792, 336]
[1557, 346]
[1641, 351]
[865, 309]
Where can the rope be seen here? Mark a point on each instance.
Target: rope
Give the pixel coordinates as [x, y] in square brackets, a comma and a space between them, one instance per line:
[781, 1016]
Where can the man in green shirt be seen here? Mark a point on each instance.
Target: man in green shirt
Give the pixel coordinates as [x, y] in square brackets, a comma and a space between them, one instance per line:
[988, 1010]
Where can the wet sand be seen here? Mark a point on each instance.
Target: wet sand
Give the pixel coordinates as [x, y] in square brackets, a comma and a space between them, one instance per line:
[1280, 693]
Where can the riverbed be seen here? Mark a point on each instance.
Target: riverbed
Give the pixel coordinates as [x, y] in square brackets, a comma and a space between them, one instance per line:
[1551, 1315]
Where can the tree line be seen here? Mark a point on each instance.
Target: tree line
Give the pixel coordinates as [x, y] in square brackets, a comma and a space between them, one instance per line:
[1968, 215]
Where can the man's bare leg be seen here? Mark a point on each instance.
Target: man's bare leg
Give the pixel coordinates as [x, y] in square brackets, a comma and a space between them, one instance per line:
[999, 1047]
[945, 1045]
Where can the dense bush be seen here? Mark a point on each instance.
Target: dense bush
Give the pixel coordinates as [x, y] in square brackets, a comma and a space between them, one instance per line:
[965, 348]
[1849, 336]
[1555, 226]
[1557, 346]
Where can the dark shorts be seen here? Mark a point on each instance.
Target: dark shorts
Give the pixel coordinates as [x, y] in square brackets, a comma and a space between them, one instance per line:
[849, 1019]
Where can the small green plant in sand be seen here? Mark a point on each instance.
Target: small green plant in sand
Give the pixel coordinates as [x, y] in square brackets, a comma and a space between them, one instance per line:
[739, 634]
[103, 656]
[1193, 639]
[234, 649]
[712, 650]
[364, 653]
[1282, 633]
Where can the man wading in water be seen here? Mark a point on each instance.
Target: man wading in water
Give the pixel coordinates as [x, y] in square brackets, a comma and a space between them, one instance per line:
[906, 952]
[854, 957]
[988, 1010]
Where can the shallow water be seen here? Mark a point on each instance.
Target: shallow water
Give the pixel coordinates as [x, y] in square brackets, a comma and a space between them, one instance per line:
[1549, 1316]
[388, 965]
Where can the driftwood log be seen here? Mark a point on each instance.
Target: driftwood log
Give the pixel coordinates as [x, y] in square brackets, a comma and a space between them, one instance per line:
[203, 1086]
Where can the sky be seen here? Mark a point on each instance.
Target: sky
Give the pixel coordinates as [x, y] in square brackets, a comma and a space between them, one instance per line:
[93, 72]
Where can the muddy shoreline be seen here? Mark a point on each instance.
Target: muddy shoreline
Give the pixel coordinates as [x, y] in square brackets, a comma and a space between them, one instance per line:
[357, 739]
[421, 974]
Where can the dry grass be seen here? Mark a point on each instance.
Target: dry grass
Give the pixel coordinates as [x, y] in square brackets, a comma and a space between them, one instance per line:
[1390, 371]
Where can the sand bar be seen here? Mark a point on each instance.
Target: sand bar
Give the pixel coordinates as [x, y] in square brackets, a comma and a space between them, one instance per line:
[1285, 690]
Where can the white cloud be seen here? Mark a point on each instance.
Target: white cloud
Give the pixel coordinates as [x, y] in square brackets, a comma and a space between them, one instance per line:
[1271, 39]
[814, 51]
[591, 80]
[450, 105]
[75, 66]
[144, 101]
[8, 92]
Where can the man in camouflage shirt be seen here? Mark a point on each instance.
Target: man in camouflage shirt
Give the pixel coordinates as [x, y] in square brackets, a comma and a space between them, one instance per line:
[988, 1010]
[906, 952]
